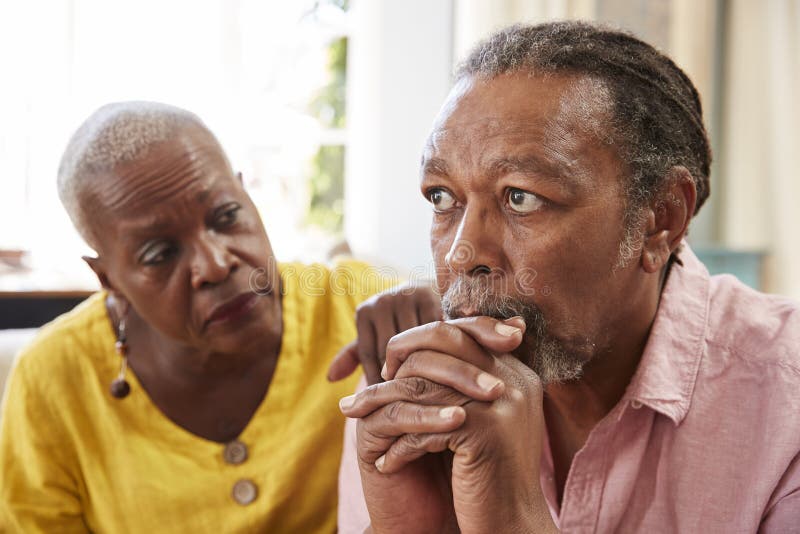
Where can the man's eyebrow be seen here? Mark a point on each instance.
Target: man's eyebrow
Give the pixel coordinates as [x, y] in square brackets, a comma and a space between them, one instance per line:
[435, 166]
[542, 169]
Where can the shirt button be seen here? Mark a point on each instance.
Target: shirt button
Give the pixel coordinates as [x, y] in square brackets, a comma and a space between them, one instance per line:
[244, 492]
[635, 404]
[235, 452]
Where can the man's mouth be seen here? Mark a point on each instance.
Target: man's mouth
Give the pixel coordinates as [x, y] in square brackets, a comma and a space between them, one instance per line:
[231, 310]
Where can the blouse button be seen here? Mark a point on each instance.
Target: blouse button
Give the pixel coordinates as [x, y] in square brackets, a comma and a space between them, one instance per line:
[235, 452]
[244, 491]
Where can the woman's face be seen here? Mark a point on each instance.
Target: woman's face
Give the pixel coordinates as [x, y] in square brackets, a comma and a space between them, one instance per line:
[182, 242]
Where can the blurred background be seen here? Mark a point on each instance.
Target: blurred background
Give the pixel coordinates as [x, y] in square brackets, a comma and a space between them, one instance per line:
[324, 105]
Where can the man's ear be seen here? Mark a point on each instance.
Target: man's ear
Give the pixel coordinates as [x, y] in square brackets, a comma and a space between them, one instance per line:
[668, 218]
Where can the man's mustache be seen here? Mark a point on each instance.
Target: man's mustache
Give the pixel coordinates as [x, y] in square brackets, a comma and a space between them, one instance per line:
[467, 297]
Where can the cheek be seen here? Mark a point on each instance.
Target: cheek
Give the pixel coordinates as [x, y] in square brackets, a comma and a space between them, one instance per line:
[441, 241]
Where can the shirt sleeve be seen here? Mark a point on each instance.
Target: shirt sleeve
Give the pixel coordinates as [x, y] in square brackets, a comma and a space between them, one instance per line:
[353, 515]
[783, 515]
[38, 493]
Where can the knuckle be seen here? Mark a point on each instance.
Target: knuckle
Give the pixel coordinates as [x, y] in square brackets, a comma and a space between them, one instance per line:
[393, 412]
[419, 387]
[394, 344]
[371, 393]
[420, 415]
[411, 364]
[411, 442]
[383, 303]
[437, 326]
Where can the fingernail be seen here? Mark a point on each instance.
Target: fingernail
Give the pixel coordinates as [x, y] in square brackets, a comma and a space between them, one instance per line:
[383, 371]
[347, 402]
[487, 382]
[448, 413]
[505, 329]
[379, 463]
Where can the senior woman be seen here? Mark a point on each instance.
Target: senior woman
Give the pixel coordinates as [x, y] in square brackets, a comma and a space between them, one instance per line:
[190, 395]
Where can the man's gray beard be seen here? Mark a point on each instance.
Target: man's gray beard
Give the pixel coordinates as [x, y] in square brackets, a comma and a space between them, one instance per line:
[539, 350]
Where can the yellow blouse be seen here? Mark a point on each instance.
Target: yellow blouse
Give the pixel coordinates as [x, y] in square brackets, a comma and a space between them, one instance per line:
[75, 459]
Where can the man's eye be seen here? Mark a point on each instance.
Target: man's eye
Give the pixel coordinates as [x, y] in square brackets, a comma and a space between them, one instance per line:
[523, 201]
[441, 199]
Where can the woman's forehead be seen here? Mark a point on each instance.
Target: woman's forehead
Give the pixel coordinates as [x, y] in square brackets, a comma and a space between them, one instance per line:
[173, 170]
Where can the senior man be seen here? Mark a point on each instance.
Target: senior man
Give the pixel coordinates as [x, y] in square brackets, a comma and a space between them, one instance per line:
[591, 376]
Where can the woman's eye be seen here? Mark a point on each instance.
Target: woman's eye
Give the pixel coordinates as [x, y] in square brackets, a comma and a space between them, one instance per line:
[441, 199]
[228, 217]
[156, 255]
[523, 201]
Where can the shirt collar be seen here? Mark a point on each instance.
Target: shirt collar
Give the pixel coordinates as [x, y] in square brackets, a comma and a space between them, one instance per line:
[666, 375]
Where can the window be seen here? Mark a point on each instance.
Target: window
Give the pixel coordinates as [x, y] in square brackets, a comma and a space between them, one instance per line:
[267, 77]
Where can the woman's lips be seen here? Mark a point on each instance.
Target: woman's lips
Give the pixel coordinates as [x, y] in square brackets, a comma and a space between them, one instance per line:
[232, 310]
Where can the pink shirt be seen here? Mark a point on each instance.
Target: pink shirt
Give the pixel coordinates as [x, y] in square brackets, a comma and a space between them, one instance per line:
[707, 436]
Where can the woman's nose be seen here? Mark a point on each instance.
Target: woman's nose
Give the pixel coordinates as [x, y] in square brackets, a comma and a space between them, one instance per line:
[212, 262]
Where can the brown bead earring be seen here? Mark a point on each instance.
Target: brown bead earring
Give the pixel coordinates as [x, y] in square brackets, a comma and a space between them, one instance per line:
[120, 387]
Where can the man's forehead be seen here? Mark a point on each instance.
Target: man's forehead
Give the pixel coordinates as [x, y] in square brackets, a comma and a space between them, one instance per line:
[493, 102]
[554, 111]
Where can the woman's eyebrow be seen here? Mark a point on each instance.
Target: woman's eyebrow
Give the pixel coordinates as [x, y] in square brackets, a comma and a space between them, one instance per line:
[152, 225]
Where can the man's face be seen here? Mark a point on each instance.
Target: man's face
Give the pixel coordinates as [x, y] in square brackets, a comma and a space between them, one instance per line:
[528, 208]
[180, 239]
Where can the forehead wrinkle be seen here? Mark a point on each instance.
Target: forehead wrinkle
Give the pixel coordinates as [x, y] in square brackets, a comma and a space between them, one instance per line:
[533, 167]
[147, 186]
[435, 166]
[583, 115]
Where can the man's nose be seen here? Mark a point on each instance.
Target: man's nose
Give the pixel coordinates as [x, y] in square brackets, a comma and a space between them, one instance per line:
[476, 248]
[212, 262]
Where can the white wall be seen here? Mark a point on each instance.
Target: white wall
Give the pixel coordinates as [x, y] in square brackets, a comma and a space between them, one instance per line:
[399, 73]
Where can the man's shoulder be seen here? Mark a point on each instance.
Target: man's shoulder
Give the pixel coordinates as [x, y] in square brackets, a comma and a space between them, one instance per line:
[760, 328]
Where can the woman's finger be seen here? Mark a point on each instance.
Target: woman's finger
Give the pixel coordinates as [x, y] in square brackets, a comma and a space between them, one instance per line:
[344, 363]
[367, 348]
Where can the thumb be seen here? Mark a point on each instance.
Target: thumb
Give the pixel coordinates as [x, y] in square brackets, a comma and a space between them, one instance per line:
[344, 363]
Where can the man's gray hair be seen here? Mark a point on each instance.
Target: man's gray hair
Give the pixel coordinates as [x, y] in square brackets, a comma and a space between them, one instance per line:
[657, 117]
[114, 134]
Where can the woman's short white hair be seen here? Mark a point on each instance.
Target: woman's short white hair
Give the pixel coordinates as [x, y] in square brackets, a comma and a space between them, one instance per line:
[116, 133]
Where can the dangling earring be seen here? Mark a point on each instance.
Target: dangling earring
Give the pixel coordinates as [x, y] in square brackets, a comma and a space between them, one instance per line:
[120, 387]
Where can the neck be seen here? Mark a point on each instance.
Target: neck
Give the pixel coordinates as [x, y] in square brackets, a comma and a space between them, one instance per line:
[572, 409]
[584, 402]
[153, 354]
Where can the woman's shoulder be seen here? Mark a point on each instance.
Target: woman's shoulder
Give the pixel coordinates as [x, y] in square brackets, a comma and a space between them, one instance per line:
[61, 347]
[347, 280]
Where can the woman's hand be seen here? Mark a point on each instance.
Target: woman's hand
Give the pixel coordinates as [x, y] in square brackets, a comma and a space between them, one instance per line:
[377, 320]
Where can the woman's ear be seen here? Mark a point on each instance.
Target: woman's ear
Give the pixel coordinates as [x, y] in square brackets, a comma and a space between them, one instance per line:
[96, 265]
[668, 219]
[119, 301]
